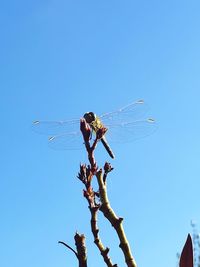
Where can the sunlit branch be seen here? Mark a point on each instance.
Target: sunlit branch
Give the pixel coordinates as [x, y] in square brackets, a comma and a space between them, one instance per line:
[115, 221]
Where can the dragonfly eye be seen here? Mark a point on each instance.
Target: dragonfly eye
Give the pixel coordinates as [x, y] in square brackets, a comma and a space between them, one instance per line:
[89, 117]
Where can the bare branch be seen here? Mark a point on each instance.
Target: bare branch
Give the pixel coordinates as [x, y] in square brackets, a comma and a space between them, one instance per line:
[81, 249]
[63, 243]
[115, 221]
[86, 132]
[90, 194]
[104, 251]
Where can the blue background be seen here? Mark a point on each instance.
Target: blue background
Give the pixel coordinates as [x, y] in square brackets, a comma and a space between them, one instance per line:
[62, 58]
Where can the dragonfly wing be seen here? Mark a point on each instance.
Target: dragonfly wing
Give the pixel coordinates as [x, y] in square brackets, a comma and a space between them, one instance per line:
[130, 131]
[55, 127]
[129, 113]
[67, 141]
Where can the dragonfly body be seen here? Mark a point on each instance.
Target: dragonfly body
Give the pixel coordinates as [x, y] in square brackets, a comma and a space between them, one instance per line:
[123, 125]
[96, 124]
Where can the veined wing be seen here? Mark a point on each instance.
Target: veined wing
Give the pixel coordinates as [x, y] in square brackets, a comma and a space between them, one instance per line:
[129, 113]
[56, 127]
[67, 141]
[120, 133]
[123, 126]
[130, 131]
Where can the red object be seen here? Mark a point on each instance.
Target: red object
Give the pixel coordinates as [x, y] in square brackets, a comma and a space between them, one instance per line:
[186, 259]
[85, 129]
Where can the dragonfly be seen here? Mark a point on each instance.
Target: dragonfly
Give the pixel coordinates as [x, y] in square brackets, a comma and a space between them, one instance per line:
[123, 125]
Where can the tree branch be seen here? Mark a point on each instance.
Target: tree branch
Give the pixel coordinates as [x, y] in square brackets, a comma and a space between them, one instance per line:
[85, 175]
[86, 132]
[95, 230]
[81, 249]
[115, 221]
[63, 243]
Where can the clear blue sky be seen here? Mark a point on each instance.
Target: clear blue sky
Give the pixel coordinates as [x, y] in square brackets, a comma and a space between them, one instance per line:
[59, 59]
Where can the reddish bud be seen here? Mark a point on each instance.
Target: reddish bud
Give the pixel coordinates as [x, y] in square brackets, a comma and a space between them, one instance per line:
[107, 167]
[85, 129]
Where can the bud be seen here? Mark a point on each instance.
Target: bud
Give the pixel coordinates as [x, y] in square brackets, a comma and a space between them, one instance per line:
[85, 129]
[107, 167]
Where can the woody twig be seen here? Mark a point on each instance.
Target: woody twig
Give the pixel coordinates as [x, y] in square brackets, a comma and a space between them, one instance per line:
[115, 221]
[85, 175]
[104, 205]
[80, 251]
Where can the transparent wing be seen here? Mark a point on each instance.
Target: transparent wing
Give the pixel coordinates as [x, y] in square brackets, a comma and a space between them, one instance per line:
[129, 113]
[120, 133]
[67, 141]
[56, 127]
[124, 125]
[130, 131]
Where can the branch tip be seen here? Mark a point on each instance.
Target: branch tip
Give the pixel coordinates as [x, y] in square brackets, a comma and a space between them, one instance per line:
[70, 248]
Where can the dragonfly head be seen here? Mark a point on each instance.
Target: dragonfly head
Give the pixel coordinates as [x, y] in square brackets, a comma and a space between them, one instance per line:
[89, 117]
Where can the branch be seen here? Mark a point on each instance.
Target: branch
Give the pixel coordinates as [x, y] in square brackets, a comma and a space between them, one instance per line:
[84, 176]
[105, 205]
[63, 243]
[104, 251]
[81, 249]
[86, 132]
[114, 220]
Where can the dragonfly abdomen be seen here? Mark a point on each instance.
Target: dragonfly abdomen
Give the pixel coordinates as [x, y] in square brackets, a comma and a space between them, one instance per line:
[107, 147]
